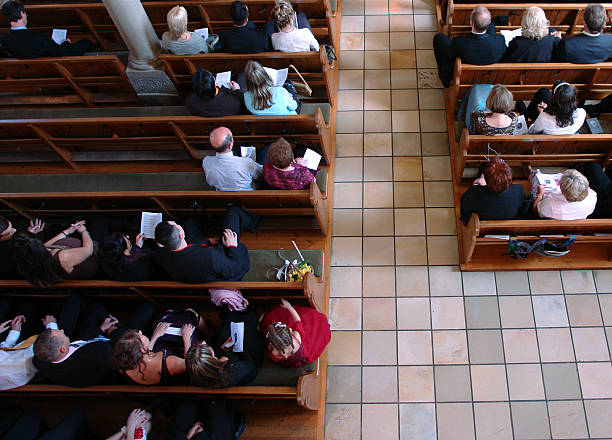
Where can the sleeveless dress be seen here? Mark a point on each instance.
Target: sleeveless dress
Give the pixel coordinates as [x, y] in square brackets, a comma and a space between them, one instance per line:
[87, 270]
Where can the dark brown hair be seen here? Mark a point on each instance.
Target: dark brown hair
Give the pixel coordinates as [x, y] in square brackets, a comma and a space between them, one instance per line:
[279, 336]
[280, 153]
[34, 261]
[127, 352]
[498, 175]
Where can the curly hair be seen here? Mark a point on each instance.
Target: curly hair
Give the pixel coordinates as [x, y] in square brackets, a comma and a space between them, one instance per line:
[280, 153]
[498, 175]
[534, 24]
[282, 14]
[574, 186]
[279, 335]
[127, 353]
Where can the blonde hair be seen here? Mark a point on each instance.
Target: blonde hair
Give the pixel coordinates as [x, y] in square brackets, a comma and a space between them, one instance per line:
[282, 14]
[177, 21]
[499, 99]
[574, 186]
[259, 83]
[534, 24]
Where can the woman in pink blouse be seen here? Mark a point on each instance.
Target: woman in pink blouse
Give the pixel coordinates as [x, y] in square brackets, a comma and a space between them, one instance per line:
[282, 170]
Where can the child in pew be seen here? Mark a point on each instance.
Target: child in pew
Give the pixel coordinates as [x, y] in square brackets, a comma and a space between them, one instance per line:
[263, 98]
[296, 335]
[283, 171]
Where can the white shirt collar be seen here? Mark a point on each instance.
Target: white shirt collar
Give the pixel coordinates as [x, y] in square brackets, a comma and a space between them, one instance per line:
[591, 35]
[480, 33]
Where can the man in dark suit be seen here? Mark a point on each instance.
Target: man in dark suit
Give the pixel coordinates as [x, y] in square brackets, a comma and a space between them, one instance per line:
[591, 46]
[243, 37]
[483, 46]
[86, 360]
[21, 42]
[189, 257]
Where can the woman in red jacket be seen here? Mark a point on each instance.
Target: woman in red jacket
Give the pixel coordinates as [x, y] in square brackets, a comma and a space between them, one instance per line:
[296, 335]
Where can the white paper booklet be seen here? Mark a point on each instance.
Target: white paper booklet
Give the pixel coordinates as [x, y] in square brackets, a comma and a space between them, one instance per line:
[278, 76]
[510, 35]
[148, 222]
[312, 159]
[203, 32]
[237, 334]
[223, 79]
[521, 126]
[550, 181]
[248, 151]
[59, 35]
[175, 331]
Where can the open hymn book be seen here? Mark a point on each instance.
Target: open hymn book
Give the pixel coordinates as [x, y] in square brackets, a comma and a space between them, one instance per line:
[148, 222]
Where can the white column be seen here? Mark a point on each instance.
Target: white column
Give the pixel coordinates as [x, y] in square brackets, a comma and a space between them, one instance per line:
[137, 31]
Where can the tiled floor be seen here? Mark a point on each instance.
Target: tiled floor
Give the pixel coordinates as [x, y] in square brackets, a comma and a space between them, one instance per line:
[420, 351]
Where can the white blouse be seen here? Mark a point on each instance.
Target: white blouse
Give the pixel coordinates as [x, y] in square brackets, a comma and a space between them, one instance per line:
[298, 40]
[547, 124]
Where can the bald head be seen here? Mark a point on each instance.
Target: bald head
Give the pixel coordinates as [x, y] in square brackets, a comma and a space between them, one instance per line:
[480, 19]
[221, 139]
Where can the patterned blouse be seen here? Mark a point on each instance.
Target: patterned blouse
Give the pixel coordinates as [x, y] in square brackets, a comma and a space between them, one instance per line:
[478, 119]
[298, 178]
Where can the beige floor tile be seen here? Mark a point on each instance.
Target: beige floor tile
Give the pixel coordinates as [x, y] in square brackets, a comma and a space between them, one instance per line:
[583, 310]
[447, 313]
[378, 169]
[350, 144]
[412, 281]
[603, 280]
[492, 418]
[347, 195]
[428, 79]
[379, 281]
[403, 59]
[420, 7]
[351, 59]
[424, 40]
[348, 169]
[403, 78]
[377, 79]
[485, 347]
[376, 7]
[596, 380]
[377, 41]
[343, 384]
[436, 168]
[530, 420]
[598, 414]
[550, 311]
[402, 40]
[378, 251]
[377, 59]
[377, 23]
[425, 23]
[442, 250]
[425, 58]
[450, 347]
[433, 99]
[379, 384]
[345, 313]
[342, 422]
[405, 121]
[590, 344]
[452, 418]
[479, 283]
[414, 348]
[379, 314]
[378, 194]
[346, 251]
[350, 99]
[352, 41]
[438, 194]
[516, 312]
[377, 121]
[445, 281]
[346, 222]
[440, 221]
[379, 348]
[410, 221]
[521, 345]
[352, 23]
[525, 382]
[416, 384]
[400, 6]
[378, 222]
[433, 120]
[410, 251]
[489, 383]
[353, 7]
[377, 100]
[567, 419]
[555, 345]
[545, 282]
[561, 381]
[417, 421]
[344, 348]
[406, 144]
[401, 23]
[350, 79]
[435, 144]
[578, 281]
[345, 282]
[349, 122]
[512, 283]
[407, 168]
[377, 144]
[413, 314]
[405, 100]
[379, 422]
[606, 308]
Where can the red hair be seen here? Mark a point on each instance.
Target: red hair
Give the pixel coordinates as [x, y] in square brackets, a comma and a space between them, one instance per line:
[498, 175]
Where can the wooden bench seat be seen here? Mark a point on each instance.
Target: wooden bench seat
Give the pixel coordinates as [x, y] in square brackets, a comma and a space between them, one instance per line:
[314, 67]
[67, 81]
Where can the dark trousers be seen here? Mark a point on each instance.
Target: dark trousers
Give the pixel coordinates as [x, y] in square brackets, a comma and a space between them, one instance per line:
[10, 308]
[261, 154]
[444, 58]
[215, 414]
[605, 106]
[598, 180]
[99, 226]
[27, 425]
[78, 48]
[542, 95]
[236, 219]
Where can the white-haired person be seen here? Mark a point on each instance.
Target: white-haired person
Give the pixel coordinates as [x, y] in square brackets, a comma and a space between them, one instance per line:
[289, 38]
[178, 40]
[536, 43]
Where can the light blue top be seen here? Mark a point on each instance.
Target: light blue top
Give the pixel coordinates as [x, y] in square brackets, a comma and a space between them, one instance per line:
[282, 103]
[226, 172]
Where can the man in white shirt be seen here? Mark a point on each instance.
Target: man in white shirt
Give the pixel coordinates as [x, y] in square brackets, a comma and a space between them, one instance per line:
[226, 172]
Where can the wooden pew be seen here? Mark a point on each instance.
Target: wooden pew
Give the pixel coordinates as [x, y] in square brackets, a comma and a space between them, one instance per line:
[67, 81]
[314, 67]
[141, 144]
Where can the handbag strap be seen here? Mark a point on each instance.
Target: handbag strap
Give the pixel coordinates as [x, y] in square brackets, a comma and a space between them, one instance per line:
[301, 77]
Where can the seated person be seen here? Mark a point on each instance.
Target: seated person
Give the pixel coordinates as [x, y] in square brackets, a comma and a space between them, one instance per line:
[178, 40]
[211, 101]
[282, 171]
[26, 424]
[21, 42]
[61, 258]
[536, 44]
[8, 269]
[121, 260]
[138, 425]
[592, 45]
[572, 200]
[601, 183]
[483, 46]
[160, 360]
[300, 20]
[296, 335]
[289, 38]
[86, 360]
[493, 196]
[226, 171]
[16, 367]
[262, 97]
[555, 113]
[189, 257]
[217, 366]
[205, 419]
[493, 117]
[243, 37]
[604, 106]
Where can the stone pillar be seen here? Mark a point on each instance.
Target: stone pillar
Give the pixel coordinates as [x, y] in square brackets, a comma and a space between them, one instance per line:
[137, 31]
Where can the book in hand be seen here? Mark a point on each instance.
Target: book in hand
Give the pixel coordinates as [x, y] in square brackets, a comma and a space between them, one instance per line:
[550, 181]
[203, 32]
[248, 151]
[312, 159]
[59, 35]
[278, 76]
[237, 334]
[223, 79]
[148, 222]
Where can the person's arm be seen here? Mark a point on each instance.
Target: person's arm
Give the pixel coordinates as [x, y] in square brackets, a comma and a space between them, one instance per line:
[312, 41]
[228, 266]
[468, 205]
[538, 199]
[186, 332]
[75, 256]
[13, 335]
[176, 365]
[288, 99]
[539, 124]
[294, 314]
[159, 331]
[255, 169]
[64, 234]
